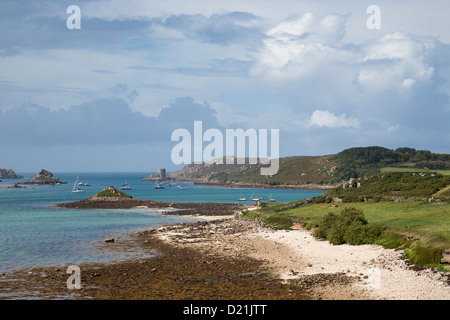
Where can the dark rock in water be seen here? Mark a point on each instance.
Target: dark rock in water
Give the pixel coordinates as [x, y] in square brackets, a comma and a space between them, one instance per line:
[15, 186]
[9, 174]
[44, 177]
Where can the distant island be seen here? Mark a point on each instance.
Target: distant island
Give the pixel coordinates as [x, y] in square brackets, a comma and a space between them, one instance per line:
[317, 172]
[44, 177]
[9, 174]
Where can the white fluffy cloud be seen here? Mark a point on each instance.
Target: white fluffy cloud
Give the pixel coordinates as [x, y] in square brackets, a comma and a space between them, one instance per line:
[296, 47]
[388, 81]
[396, 60]
[324, 118]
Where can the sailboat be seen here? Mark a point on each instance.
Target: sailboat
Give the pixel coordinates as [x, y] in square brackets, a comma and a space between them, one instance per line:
[271, 199]
[255, 199]
[241, 198]
[75, 187]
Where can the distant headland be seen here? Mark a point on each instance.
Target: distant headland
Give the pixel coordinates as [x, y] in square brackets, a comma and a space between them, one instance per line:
[314, 172]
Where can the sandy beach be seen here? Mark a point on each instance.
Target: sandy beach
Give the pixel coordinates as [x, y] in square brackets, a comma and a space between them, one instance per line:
[224, 257]
[373, 273]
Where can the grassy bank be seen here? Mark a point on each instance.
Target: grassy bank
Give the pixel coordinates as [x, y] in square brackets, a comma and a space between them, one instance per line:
[419, 228]
[414, 170]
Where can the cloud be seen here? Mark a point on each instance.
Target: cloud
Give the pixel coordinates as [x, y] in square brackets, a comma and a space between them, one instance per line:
[228, 67]
[327, 30]
[101, 122]
[221, 29]
[392, 80]
[396, 60]
[298, 46]
[323, 118]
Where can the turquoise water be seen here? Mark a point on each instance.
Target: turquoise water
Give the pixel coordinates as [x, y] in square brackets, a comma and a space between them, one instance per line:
[35, 233]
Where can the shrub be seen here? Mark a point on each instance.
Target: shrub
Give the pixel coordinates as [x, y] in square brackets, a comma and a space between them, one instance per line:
[351, 215]
[336, 235]
[279, 221]
[350, 226]
[355, 233]
[423, 255]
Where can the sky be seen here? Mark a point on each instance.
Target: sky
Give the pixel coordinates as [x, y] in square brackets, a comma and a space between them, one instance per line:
[107, 96]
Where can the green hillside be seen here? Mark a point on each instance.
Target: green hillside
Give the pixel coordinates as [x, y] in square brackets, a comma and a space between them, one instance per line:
[298, 170]
[391, 186]
[321, 170]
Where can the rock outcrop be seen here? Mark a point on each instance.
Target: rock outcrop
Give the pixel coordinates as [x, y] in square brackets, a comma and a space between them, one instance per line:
[9, 174]
[446, 256]
[44, 177]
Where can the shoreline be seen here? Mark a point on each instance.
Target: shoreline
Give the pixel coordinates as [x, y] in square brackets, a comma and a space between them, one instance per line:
[237, 185]
[223, 257]
[323, 270]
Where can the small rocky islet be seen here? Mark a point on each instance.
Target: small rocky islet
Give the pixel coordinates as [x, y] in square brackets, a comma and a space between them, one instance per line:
[44, 177]
[111, 198]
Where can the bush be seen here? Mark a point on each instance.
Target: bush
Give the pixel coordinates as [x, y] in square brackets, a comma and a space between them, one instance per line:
[351, 215]
[423, 255]
[350, 226]
[279, 221]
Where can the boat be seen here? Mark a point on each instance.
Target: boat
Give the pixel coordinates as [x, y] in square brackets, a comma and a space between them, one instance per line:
[242, 199]
[255, 199]
[159, 185]
[181, 187]
[271, 199]
[76, 188]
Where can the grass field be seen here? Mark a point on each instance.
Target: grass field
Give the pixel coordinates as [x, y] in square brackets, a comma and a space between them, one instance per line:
[427, 224]
[414, 170]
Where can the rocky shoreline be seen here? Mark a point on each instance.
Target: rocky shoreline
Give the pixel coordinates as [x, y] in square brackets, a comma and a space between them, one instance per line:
[173, 273]
[312, 187]
[229, 258]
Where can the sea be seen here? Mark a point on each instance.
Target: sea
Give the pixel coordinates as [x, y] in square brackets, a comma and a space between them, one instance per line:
[34, 232]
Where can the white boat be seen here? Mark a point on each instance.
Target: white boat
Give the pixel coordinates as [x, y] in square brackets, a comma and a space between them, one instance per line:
[181, 187]
[75, 187]
[255, 198]
[242, 199]
[271, 199]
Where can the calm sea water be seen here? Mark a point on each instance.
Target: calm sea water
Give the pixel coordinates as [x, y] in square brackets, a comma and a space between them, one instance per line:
[35, 233]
